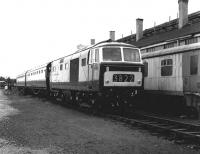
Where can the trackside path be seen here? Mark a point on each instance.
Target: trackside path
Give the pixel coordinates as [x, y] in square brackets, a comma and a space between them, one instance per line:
[32, 125]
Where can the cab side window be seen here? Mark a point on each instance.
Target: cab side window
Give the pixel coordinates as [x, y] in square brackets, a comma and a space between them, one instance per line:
[96, 56]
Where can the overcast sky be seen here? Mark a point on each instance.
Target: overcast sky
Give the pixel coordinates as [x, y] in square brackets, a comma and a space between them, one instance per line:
[33, 32]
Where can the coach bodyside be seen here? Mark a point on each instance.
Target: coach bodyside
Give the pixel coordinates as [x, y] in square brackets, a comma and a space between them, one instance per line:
[172, 71]
[172, 77]
[191, 71]
[21, 80]
[163, 74]
[35, 78]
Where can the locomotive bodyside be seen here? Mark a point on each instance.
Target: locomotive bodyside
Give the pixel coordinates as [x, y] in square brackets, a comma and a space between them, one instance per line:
[88, 71]
[70, 73]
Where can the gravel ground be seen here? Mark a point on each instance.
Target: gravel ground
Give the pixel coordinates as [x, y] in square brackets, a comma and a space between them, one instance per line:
[31, 125]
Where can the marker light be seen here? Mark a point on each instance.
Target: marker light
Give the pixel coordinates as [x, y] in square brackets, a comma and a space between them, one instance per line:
[139, 82]
[107, 81]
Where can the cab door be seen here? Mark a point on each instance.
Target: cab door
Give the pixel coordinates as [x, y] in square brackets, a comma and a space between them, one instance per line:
[90, 65]
[93, 65]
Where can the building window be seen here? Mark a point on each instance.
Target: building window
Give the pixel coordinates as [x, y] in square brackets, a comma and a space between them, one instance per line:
[166, 67]
[61, 67]
[151, 49]
[170, 45]
[145, 69]
[83, 62]
[191, 40]
[41, 71]
[193, 65]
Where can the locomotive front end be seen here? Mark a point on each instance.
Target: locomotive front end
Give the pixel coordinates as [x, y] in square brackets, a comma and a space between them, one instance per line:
[121, 70]
[120, 74]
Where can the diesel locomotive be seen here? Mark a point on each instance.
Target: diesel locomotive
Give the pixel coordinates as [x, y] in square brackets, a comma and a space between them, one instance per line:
[107, 74]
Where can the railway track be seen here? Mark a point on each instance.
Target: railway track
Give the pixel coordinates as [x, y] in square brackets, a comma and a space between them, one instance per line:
[174, 129]
[188, 132]
[179, 130]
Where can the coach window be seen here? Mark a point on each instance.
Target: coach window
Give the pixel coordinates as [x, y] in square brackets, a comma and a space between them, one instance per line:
[83, 62]
[193, 65]
[145, 69]
[166, 67]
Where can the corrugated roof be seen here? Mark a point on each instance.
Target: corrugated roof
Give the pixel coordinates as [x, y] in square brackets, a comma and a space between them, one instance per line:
[166, 31]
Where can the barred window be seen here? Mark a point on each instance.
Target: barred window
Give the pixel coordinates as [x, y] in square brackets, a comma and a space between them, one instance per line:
[166, 67]
[170, 45]
[191, 40]
[152, 49]
[193, 65]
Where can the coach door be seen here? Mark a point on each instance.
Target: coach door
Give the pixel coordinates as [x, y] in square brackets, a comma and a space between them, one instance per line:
[74, 70]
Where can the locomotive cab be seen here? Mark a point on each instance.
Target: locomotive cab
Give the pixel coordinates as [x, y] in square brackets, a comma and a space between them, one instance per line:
[116, 66]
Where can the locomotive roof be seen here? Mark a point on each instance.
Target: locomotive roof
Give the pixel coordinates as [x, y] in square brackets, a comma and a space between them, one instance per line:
[166, 31]
[114, 43]
[100, 44]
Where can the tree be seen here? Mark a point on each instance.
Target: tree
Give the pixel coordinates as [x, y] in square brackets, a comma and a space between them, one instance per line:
[2, 78]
